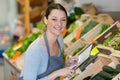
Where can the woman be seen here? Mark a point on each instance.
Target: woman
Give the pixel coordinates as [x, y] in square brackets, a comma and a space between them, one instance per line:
[43, 57]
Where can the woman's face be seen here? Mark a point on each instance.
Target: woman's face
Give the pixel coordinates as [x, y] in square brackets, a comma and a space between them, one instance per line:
[56, 22]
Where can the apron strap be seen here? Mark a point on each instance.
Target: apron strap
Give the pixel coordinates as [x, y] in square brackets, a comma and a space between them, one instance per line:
[48, 50]
[46, 43]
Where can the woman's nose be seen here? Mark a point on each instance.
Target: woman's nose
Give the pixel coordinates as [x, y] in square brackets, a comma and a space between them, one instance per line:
[59, 23]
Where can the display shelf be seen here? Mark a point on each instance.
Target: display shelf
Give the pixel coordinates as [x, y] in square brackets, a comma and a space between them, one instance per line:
[11, 71]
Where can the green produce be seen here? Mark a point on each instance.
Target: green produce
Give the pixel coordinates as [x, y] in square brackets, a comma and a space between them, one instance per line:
[105, 75]
[74, 15]
[89, 27]
[72, 27]
[117, 46]
[109, 70]
[41, 25]
[78, 11]
[104, 27]
[97, 77]
[11, 54]
[73, 40]
[87, 78]
[9, 50]
[106, 42]
[70, 19]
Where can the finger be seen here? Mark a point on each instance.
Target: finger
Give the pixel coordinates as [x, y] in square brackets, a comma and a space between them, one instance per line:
[71, 67]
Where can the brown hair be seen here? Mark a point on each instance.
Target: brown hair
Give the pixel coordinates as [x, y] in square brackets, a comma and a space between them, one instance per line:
[54, 6]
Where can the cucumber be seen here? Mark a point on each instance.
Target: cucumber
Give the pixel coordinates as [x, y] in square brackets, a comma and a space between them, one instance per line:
[97, 77]
[109, 70]
[105, 75]
[87, 78]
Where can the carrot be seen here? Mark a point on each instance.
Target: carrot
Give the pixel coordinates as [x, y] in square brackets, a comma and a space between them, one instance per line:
[78, 33]
[17, 54]
[64, 32]
[62, 77]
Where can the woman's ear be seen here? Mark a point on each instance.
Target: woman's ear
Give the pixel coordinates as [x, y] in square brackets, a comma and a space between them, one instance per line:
[45, 20]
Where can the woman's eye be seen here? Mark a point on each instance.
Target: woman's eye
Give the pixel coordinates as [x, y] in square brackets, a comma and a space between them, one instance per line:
[54, 19]
[64, 20]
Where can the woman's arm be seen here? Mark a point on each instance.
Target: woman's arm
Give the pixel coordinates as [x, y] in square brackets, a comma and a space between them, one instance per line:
[31, 67]
[67, 72]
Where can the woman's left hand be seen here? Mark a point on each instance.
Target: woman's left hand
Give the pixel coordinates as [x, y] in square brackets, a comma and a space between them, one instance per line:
[73, 60]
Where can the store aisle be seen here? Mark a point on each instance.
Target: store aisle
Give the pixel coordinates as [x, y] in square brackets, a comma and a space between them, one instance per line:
[1, 70]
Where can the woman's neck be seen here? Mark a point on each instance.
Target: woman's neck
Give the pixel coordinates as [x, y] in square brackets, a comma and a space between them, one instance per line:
[52, 39]
[53, 44]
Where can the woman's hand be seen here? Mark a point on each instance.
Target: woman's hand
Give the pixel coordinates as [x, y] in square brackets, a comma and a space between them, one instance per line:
[72, 61]
[66, 72]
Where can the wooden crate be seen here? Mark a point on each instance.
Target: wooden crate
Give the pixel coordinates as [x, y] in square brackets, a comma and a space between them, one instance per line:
[78, 44]
[92, 69]
[81, 42]
[93, 33]
[72, 35]
[110, 31]
[96, 67]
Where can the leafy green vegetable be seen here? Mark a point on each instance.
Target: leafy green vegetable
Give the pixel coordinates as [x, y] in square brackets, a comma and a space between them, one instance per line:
[70, 19]
[78, 11]
[89, 27]
[104, 27]
[106, 42]
[41, 25]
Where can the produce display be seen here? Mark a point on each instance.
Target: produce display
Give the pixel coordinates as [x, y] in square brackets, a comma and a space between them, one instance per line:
[113, 41]
[107, 73]
[74, 15]
[16, 50]
[74, 39]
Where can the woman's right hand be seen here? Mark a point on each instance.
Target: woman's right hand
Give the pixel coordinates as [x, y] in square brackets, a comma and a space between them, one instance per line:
[66, 72]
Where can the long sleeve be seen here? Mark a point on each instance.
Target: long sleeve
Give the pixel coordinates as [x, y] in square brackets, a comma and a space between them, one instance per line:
[31, 64]
[35, 62]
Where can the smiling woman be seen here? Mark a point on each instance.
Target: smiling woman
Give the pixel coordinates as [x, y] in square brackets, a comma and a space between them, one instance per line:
[47, 49]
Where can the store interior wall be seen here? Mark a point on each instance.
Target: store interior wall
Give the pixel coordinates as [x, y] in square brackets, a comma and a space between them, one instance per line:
[8, 12]
[8, 9]
[3, 12]
[111, 7]
[103, 5]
